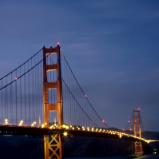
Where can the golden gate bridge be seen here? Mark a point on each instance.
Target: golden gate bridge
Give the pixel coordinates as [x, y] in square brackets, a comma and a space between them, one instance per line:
[42, 96]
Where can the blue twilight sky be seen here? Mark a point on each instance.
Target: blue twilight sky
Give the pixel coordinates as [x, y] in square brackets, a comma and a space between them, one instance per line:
[112, 46]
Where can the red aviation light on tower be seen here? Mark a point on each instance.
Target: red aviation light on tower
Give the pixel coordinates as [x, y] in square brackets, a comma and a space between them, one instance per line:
[138, 108]
[58, 43]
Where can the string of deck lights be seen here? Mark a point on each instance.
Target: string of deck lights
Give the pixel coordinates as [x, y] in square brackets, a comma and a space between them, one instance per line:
[66, 128]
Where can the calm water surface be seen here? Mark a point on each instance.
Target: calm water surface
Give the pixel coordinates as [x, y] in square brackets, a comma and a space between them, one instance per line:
[143, 157]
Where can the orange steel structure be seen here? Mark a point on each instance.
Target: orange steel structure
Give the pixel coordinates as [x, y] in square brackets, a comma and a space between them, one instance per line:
[137, 131]
[52, 143]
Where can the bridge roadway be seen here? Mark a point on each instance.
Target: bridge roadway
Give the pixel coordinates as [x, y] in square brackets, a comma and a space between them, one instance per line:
[68, 130]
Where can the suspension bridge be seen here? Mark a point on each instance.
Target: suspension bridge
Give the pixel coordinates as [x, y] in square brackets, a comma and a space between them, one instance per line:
[42, 96]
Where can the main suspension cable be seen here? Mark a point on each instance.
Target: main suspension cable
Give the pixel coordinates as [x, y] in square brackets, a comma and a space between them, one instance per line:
[83, 92]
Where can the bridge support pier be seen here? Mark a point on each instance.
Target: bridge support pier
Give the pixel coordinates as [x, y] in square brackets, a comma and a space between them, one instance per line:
[138, 148]
[53, 146]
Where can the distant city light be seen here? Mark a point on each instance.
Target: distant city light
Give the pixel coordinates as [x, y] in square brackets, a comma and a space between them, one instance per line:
[154, 151]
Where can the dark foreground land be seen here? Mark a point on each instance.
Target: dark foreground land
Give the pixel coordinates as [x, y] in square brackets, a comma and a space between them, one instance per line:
[27, 147]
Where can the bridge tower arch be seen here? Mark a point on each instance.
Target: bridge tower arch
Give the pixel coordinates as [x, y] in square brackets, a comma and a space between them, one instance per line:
[53, 142]
[137, 131]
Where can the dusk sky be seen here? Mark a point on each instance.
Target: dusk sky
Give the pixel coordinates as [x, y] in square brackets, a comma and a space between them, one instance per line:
[111, 45]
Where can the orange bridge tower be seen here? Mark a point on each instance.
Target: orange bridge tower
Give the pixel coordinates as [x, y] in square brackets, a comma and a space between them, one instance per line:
[137, 131]
[53, 142]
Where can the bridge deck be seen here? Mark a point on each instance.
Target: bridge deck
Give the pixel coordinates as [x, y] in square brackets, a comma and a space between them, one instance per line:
[65, 130]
